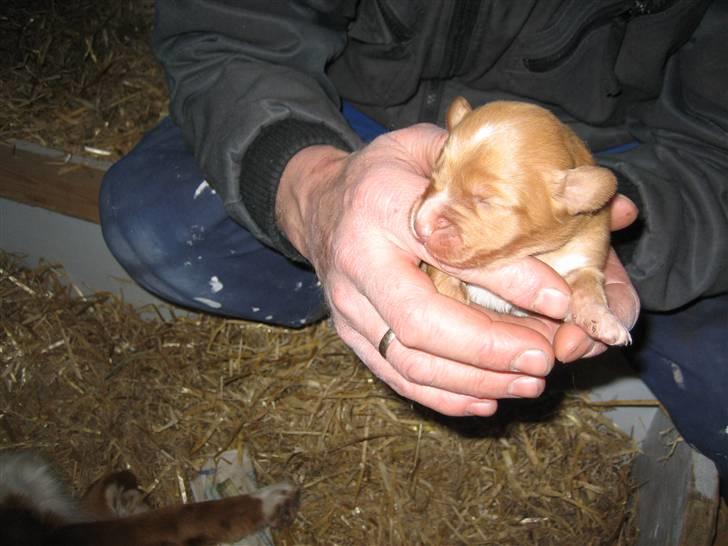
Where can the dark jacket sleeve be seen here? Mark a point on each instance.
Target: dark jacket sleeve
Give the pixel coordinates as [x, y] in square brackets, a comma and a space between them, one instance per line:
[248, 89]
[680, 174]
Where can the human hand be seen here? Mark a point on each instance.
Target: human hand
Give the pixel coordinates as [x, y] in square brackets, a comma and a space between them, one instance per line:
[349, 215]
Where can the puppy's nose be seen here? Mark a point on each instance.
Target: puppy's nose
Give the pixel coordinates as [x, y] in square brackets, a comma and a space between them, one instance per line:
[422, 231]
[421, 225]
[427, 216]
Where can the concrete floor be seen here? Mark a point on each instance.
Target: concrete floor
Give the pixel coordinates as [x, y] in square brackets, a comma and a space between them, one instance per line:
[38, 234]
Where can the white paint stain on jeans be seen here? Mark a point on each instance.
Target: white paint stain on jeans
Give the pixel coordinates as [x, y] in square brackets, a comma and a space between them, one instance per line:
[197, 233]
[677, 375]
[202, 187]
[209, 302]
[215, 284]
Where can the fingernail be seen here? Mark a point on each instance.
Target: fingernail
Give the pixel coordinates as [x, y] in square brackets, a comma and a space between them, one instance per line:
[580, 350]
[482, 409]
[533, 362]
[597, 349]
[526, 387]
[552, 303]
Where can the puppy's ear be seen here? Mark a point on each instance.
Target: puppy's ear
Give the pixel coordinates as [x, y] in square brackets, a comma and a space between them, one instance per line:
[584, 189]
[459, 108]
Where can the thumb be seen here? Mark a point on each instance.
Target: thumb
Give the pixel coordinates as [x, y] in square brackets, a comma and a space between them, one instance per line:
[623, 212]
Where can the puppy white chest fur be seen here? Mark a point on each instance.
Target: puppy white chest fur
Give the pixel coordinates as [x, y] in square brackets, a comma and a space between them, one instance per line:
[565, 263]
[485, 298]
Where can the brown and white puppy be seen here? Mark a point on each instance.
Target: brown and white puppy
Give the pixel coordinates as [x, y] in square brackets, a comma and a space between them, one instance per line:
[514, 181]
[37, 509]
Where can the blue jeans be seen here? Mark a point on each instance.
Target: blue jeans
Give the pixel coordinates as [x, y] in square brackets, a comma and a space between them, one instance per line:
[682, 356]
[170, 232]
[168, 229]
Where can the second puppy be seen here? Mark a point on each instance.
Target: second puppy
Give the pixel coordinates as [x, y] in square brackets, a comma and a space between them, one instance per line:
[514, 181]
[37, 509]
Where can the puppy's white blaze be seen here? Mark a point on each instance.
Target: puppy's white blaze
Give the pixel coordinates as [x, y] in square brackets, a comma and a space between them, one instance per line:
[565, 264]
[485, 298]
[484, 132]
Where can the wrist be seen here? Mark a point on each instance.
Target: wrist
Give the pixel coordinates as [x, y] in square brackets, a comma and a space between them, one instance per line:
[305, 179]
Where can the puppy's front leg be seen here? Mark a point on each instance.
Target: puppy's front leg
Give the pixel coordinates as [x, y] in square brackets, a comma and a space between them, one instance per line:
[589, 307]
[224, 520]
[445, 284]
[199, 524]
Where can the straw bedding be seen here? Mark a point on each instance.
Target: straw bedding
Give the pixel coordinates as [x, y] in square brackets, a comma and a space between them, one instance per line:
[97, 387]
[79, 75]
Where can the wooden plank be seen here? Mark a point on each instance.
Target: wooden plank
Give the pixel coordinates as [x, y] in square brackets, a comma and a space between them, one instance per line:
[50, 179]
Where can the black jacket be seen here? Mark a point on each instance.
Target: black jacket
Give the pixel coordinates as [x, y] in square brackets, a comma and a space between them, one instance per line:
[252, 82]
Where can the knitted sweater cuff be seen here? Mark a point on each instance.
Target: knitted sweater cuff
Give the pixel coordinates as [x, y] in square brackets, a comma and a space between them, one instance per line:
[263, 164]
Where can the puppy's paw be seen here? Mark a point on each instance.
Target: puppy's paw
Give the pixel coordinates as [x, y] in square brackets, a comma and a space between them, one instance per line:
[280, 503]
[123, 496]
[600, 323]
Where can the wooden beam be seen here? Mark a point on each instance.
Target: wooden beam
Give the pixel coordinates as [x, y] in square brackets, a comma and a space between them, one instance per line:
[50, 179]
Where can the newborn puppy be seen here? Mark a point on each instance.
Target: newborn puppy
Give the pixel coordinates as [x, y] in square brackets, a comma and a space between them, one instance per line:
[513, 181]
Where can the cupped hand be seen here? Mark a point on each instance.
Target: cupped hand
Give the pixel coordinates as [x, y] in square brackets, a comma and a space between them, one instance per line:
[348, 214]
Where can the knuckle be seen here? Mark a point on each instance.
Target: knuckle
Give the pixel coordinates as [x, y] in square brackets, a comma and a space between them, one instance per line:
[343, 257]
[338, 297]
[408, 324]
[359, 194]
[343, 330]
[483, 386]
[416, 369]
[406, 369]
[521, 282]
[486, 352]
[515, 282]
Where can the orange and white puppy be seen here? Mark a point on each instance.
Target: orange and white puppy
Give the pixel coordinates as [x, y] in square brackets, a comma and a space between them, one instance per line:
[36, 508]
[514, 181]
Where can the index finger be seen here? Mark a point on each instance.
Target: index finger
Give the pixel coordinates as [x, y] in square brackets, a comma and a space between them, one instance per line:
[425, 320]
[527, 283]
